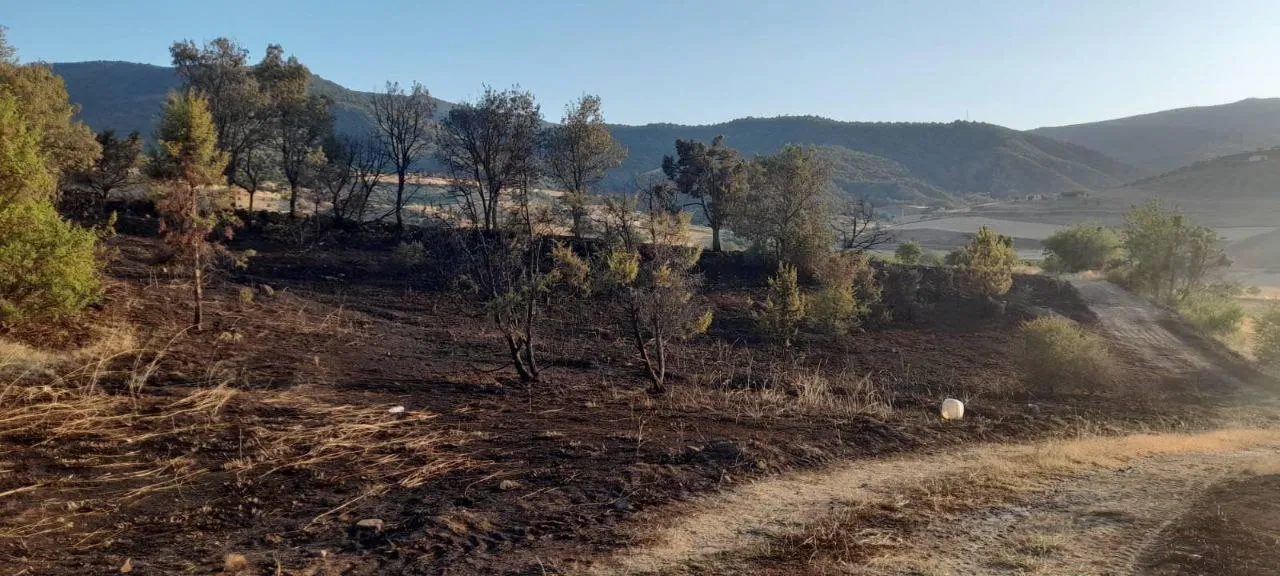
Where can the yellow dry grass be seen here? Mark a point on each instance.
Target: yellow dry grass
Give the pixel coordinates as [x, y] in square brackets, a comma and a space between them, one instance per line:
[855, 512]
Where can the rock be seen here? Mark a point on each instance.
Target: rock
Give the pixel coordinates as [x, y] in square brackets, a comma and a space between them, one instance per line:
[507, 485]
[396, 410]
[952, 409]
[127, 567]
[370, 524]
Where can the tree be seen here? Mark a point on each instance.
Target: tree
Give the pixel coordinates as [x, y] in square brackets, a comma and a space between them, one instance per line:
[115, 168]
[658, 292]
[352, 167]
[858, 228]
[1086, 246]
[909, 252]
[404, 129]
[24, 167]
[578, 153]
[507, 268]
[220, 71]
[485, 148]
[187, 156]
[783, 306]
[1170, 258]
[303, 124]
[296, 123]
[258, 164]
[787, 212]
[50, 265]
[713, 175]
[987, 262]
[40, 98]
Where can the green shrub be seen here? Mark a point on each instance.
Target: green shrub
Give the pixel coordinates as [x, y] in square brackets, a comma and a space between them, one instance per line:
[909, 252]
[49, 265]
[931, 258]
[1266, 347]
[987, 261]
[1212, 313]
[783, 307]
[849, 290]
[1058, 355]
[1087, 246]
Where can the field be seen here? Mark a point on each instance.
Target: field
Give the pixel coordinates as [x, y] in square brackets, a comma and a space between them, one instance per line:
[347, 413]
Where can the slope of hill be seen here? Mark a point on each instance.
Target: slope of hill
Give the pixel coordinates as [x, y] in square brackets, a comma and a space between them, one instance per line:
[959, 157]
[933, 163]
[1250, 175]
[1166, 140]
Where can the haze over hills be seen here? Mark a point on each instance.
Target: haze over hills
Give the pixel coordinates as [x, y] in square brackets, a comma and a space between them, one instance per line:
[1166, 140]
[907, 162]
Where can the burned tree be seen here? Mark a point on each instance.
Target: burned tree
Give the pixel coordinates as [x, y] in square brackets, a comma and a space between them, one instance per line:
[486, 148]
[404, 130]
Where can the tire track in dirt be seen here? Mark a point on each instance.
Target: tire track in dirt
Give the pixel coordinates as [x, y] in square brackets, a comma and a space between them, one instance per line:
[1096, 523]
[1125, 489]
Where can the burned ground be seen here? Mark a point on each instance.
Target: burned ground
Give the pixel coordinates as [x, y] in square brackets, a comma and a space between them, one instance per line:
[269, 433]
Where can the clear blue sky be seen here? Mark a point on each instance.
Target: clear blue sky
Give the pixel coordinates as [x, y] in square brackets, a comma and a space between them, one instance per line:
[1020, 63]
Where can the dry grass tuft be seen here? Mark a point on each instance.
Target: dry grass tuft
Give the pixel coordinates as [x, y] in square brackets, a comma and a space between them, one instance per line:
[234, 563]
[738, 386]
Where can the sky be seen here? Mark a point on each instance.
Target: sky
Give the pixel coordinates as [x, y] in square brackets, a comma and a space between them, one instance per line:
[1018, 63]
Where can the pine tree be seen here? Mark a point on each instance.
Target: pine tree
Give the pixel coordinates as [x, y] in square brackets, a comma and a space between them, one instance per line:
[188, 158]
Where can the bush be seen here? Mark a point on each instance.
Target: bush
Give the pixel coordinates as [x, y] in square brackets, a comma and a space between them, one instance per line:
[849, 290]
[1058, 355]
[409, 253]
[987, 262]
[1213, 313]
[783, 307]
[50, 265]
[1266, 347]
[1088, 246]
[902, 293]
[931, 258]
[909, 252]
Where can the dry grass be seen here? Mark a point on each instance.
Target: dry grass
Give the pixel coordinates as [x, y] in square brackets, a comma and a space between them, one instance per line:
[106, 441]
[737, 385]
[875, 526]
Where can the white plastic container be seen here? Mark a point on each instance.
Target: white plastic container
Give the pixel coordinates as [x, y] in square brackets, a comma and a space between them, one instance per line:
[952, 409]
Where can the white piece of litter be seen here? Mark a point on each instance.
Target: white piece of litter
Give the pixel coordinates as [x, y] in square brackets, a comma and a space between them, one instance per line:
[952, 409]
[396, 409]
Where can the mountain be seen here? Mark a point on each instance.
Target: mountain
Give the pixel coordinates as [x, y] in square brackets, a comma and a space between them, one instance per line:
[125, 96]
[908, 162]
[958, 157]
[1246, 176]
[1166, 140]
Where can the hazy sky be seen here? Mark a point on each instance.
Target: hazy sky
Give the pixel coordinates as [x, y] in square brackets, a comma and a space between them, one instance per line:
[1020, 63]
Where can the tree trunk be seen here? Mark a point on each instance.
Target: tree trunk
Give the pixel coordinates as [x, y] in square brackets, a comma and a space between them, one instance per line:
[293, 200]
[400, 202]
[199, 293]
[251, 193]
[715, 238]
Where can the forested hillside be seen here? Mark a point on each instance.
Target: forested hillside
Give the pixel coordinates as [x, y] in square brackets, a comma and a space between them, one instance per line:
[910, 162]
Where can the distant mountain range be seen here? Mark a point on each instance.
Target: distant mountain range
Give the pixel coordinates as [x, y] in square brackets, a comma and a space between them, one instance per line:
[936, 163]
[1166, 140]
